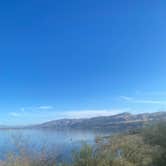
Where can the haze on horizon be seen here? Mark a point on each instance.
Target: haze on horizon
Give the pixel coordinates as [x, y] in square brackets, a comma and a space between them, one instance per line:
[74, 59]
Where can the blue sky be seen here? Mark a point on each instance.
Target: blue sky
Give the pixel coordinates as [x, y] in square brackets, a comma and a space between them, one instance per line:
[71, 59]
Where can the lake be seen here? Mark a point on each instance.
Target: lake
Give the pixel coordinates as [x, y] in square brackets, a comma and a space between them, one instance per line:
[62, 143]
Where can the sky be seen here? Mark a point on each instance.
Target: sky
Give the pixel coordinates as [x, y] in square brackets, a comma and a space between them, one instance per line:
[81, 58]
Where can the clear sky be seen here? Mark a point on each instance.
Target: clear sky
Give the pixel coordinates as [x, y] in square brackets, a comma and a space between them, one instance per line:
[81, 58]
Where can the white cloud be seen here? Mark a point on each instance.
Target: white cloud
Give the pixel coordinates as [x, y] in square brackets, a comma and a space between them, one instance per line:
[37, 108]
[126, 98]
[54, 114]
[142, 101]
[92, 113]
[14, 114]
[151, 102]
[22, 109]
[45, 107]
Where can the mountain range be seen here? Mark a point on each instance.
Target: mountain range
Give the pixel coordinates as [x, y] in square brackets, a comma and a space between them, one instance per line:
[119, 122]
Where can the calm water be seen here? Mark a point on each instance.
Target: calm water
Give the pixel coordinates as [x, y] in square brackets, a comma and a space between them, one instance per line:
[59, 142]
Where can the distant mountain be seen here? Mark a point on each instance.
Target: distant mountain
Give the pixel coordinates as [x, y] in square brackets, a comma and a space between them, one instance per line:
[124, 121]
[3, 127]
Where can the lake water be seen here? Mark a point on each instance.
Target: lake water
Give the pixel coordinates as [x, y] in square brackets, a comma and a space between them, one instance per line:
[62, 143]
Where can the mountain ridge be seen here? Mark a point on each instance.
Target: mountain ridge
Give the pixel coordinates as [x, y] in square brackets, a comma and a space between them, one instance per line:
[122, 121]
[119, 122]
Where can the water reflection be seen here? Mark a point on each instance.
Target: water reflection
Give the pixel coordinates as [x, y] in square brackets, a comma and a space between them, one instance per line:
[60, 142]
